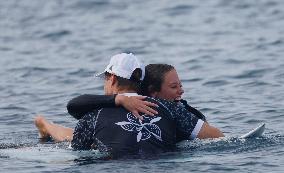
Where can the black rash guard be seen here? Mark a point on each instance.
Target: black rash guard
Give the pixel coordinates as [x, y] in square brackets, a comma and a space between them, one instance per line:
[119, 133]
[79, 106]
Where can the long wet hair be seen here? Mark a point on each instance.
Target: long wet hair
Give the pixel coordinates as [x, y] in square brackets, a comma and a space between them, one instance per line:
[154, 78]
[134, 83]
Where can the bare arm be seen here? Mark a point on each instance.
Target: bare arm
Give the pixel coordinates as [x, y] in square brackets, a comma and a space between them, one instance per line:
[208, 131]
[190, 126]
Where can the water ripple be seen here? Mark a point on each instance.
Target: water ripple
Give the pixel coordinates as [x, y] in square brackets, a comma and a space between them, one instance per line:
[215, 83]
[253, 73]
[85, 5]
[179, 10]
[56, 35]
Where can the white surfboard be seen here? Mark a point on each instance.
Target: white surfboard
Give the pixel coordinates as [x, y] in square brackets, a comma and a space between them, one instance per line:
[257, 132]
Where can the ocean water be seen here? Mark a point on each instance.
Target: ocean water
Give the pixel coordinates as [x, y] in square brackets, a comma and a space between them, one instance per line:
[229, 56]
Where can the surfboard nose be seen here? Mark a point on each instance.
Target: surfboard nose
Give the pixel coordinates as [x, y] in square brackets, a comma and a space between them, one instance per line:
[257, 132]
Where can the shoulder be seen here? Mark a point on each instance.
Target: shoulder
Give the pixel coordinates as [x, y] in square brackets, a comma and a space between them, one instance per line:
[171, 108]
[162, 102]
[193, 110]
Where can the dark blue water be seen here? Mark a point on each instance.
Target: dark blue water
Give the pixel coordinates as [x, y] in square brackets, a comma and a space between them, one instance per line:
[229, 55]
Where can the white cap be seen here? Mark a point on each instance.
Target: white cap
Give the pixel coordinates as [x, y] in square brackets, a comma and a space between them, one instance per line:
[123, 65]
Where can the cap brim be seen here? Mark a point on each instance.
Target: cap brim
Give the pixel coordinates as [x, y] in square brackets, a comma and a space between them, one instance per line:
[100, 75]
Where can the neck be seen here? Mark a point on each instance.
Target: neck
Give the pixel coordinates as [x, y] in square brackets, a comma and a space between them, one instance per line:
[126, 91]
[121, 91]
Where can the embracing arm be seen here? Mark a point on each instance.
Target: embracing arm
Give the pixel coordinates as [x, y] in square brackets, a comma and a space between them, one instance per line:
[79, 106]
[190, 126]
[208, 131]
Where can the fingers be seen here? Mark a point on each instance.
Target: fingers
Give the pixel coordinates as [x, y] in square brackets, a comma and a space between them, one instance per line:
[136, 105]
[150, 104]
[151, 110]
[147, 110]
[136, 114]
[141, 98]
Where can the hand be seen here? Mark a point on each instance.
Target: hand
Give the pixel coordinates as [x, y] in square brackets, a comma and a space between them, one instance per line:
[136, 104]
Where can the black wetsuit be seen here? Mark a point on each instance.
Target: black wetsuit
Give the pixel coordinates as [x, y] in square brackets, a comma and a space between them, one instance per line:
[118, 132]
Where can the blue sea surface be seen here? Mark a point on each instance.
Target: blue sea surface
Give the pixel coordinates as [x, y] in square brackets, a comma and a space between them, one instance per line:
[229, 56]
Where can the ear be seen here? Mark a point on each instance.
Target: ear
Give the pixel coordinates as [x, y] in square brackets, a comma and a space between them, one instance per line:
[113, 79]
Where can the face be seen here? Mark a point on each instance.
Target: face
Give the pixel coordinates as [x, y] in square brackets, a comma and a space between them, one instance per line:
[171, 88]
